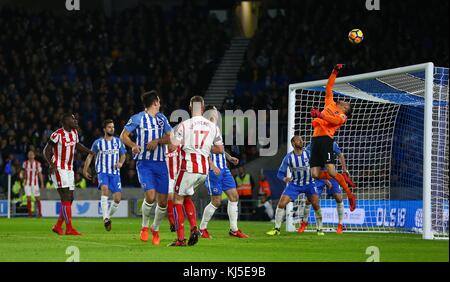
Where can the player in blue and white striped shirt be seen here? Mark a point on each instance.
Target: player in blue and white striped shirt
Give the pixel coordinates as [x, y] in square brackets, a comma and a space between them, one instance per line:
[152, 132]
[220, 180]
[300, 182]
[110, 156]
[108, 152]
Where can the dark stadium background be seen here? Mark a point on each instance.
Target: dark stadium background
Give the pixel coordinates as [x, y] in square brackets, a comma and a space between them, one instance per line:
[97, 61]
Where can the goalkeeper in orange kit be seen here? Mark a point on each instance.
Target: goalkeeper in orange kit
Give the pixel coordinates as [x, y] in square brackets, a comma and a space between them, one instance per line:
[325, 124]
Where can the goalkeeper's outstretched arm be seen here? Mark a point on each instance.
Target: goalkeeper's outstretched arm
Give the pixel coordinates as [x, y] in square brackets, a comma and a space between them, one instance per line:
[330, 84]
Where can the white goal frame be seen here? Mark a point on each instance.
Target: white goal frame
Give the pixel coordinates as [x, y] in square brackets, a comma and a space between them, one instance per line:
[428, 126]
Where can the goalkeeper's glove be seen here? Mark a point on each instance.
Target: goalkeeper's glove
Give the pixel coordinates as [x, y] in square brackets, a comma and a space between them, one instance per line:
[315, 113]
[338, 68]
[314, 123]
[348, 179]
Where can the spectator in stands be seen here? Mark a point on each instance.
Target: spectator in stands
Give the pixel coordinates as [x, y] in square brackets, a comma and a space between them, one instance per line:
[264, 195]
[264, 186]
[87, 62]
[244, 183]
[228, 102]
[244, 186]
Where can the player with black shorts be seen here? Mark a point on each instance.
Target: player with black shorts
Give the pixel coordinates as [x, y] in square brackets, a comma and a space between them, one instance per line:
[325, 125]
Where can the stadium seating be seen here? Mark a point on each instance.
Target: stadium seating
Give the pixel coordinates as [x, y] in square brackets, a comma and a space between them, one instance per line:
[44, 71]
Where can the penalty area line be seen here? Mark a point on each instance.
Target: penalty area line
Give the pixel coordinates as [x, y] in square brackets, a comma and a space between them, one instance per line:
[69, 240]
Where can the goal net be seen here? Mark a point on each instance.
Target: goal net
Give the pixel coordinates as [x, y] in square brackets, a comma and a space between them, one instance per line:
[396, 147]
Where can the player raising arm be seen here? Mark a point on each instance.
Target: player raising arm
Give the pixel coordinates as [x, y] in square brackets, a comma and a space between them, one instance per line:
[111, 154]
[59, 153]
[300, 182]
[325, 124]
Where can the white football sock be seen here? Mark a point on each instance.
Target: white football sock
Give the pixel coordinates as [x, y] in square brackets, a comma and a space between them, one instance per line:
[232, 210]
[113, 208]
[340, 211]
[208, 213]
[269, 209]
[146, 209]
[306, 212]
[279, 215]
[160, 213]
[318, 214]
[104, 206]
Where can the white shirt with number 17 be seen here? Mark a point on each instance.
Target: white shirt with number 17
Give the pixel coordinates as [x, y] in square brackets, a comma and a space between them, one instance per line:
[196, 136]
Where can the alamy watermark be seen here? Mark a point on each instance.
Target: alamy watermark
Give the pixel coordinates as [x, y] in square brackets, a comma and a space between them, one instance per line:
[372, 5]
[74, 254]
[374, 254]
[260, 129]
[72, 5]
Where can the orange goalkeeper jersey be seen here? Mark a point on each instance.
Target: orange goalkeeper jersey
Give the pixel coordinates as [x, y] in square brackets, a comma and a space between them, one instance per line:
[332, 117]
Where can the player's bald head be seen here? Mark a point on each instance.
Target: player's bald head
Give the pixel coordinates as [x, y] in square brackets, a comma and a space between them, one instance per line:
[211, 113]
[69, 121]
[296, 138]
[65, 117]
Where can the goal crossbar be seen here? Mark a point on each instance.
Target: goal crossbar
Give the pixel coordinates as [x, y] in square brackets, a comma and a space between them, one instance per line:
[428, 69]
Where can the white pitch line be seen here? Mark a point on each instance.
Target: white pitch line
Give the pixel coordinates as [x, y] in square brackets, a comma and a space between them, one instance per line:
[95, 243]
[100, 222]
[68, 240]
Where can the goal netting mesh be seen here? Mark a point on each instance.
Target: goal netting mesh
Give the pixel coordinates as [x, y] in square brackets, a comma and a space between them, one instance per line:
[383, 143]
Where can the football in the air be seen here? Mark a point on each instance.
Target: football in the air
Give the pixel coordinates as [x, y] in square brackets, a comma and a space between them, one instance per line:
[355, 36]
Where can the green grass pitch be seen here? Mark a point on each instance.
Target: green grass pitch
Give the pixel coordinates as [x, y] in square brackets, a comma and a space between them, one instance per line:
[23, 239]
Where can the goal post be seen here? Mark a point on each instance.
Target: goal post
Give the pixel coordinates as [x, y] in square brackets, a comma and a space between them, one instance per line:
[395, 144]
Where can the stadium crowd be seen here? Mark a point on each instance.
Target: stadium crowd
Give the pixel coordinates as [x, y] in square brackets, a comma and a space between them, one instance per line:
[97, 67]
[305, 41]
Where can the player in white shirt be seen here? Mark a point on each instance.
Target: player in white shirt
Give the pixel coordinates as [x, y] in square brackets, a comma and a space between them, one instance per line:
[59, 153]
[173, 163]
[173, 166]
[197, 137]
[33, 175]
